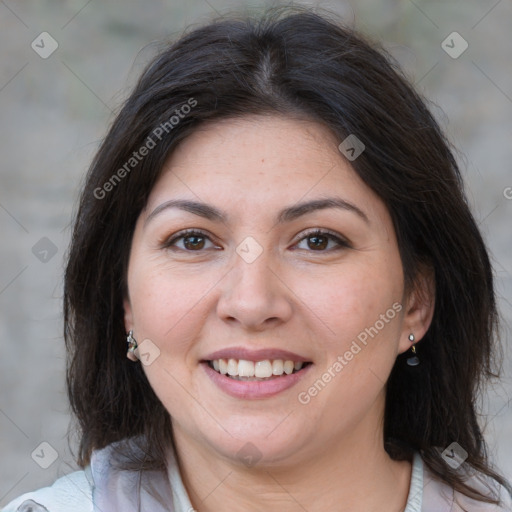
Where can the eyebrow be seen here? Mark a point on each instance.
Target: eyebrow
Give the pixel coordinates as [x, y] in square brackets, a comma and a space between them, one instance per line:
[288, 214]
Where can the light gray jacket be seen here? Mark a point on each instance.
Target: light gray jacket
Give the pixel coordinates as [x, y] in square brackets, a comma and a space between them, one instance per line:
[102, 488]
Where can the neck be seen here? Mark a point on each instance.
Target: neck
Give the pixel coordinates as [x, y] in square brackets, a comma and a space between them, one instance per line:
[354, 474]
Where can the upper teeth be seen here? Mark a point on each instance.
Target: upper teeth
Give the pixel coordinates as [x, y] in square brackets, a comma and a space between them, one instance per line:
[260, 369]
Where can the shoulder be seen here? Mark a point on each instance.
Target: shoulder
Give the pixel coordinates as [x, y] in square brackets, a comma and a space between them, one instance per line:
[69, 492]
[103, 485]
[440, 497]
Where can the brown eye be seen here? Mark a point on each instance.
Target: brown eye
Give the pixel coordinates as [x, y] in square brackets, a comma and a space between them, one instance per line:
[193, 241]
[319, 240]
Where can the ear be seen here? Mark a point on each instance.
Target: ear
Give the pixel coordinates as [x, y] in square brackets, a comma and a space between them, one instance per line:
[419, 309]
[128, 315]
[128, 325]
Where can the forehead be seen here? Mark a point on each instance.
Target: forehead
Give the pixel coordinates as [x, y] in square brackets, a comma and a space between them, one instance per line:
[250, 161]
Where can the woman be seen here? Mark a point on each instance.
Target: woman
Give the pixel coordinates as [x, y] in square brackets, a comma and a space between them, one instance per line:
[276, 296]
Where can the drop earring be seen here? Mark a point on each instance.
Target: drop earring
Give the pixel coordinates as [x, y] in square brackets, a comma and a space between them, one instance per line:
[414, 359]
[132, 346]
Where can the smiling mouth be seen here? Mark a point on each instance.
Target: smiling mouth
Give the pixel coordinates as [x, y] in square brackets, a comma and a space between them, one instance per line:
[242, 369]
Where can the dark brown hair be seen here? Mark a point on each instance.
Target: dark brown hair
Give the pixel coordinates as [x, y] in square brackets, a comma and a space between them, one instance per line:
[291, 62]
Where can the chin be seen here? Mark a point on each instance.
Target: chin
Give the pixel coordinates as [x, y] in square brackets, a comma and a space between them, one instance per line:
[261, 444]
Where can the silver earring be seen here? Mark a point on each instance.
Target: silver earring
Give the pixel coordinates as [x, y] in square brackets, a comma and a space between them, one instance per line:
[132, 346]
[414, 360]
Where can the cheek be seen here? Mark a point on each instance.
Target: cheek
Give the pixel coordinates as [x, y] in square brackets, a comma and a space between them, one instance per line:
[169, 310]
[167, 305]
[359, 350]
[362, 309]
[349, 300]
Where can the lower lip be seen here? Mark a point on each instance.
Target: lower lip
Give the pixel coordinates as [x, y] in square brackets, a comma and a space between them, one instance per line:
[253, 389]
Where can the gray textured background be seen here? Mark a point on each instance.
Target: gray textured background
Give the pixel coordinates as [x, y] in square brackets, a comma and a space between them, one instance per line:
[54, 111]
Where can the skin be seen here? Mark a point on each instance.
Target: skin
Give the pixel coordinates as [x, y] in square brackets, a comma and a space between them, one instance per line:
[327, 454]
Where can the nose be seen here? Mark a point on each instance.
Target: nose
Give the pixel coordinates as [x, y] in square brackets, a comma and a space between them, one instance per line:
[254, 295]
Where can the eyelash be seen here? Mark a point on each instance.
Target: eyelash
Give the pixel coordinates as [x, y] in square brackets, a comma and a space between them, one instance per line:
[168, 244]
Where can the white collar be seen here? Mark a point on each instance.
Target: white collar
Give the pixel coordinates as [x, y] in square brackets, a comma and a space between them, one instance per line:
[131, 491]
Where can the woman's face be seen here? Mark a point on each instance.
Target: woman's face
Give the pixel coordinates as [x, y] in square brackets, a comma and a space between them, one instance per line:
[257, 292]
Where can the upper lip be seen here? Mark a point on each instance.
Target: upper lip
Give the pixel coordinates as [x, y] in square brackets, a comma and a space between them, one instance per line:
[255, 355]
